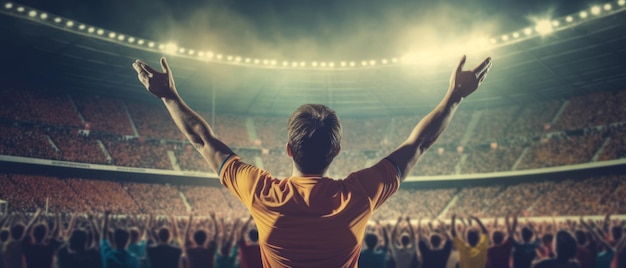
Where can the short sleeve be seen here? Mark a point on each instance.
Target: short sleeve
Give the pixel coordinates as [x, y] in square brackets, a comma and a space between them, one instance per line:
[379, 181]
[241, 179]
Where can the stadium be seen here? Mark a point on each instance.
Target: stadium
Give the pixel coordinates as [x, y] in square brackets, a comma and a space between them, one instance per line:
[544, 136]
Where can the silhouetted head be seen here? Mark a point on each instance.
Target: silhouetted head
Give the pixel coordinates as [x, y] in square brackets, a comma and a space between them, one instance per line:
[617, 232]
[405, 239]
[581, 237]
[78, 240]
[253, 235]
[547, 238]
[164, 235]
[4, 235]
[40, 231]
[371, 240]
[121, 238]
[134, 235]
[497, 237]
[314, 138]
[435, 240]
[473, 236]
[199, 237]
[565, 245]
[527, 234]
[17, 231]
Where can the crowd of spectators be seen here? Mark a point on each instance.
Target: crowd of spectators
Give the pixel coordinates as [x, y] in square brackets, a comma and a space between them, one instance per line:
[590, 196]
[104, 114]
[35, 129]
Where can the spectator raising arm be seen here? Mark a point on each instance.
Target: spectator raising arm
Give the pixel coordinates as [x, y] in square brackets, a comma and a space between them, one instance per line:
[426, 132]
[195, 128]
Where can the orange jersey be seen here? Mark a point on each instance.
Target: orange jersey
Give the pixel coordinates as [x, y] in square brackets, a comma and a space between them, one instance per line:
[310, 221]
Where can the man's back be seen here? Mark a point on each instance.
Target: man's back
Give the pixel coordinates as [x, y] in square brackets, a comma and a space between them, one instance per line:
[310, 221]
[164, 256]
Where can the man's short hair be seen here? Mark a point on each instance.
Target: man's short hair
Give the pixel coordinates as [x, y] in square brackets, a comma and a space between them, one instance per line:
[40, 232]
[314, 134]
[17, 231]
[164, 235]
[78, 240]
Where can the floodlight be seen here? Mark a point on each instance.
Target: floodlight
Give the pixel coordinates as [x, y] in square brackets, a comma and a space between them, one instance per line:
[111, 35]
[229, 58]
[273, 62]
[151, 44]
[210, 54]
[32, 13]
[82, 27]
[556, 23]
[595, 10]
[285, 63]
[544, 27]
[238, 59]
[569, 19]
[20, 9]
[100, 32]
[331, 64]
[91, 29]
[394, 60]
[621, 2]
[343, 64]
[372, 62]
[131, 40]
[256, 61]
[247, 60]
[384, 61]
[265, 62]
[170, 48]
[294, 64]
[302, 64]
[57, 20]
[505, 37]
[515, 35]
[352, 63]
[200, 54]
[219, 56]
[191, 52]
[323, 64]
[121, 37]
[43, 16]
[583, 14]
[607, 7]
[528, 31]
[314, 64]
[493, 40]
[140, 42]
[181, 50]
[8, 5]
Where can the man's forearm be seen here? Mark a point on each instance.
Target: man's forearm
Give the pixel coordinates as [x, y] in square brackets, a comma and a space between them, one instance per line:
[197, 130]
[425, 134]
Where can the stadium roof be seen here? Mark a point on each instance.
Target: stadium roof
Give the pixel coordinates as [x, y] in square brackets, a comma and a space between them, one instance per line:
[587, 57]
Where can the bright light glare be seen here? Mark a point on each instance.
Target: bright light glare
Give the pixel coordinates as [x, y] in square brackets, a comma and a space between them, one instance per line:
[343, 64]
[314, 64]
[100, 32]
[569, 19]
[32, 13]
[220, 56]
[57, 20]
[555, 23]
[8, 5]
[607, 7]
[544, 27]
[210, 54]
[384, 61]
[121, 37]
[528, 31]
[372, 62]
[505, 37]
[493, 40]
[112, 35]
[151, 44]
[43, 16]
[515, 35]
[352, 64]
[191, 52]
[82, 27]
[140, 42]
[621, 2]
[170, 48]
[131, 40]
[595, 10]
[583, 14]
[91, 29]
[69, 23]
[20, 9]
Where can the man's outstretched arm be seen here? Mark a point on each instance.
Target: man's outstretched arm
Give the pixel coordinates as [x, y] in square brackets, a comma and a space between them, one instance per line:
[195, 128]
[426, 132]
